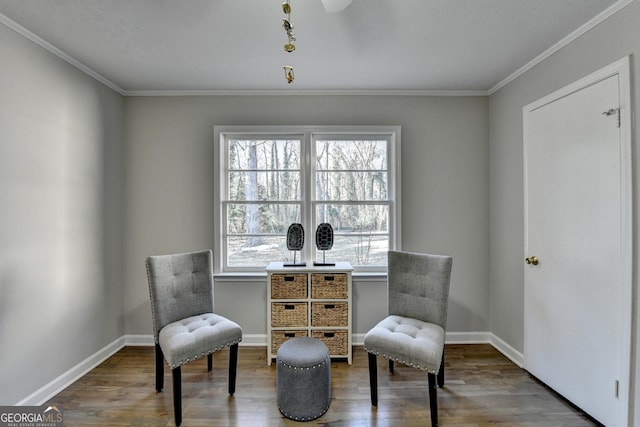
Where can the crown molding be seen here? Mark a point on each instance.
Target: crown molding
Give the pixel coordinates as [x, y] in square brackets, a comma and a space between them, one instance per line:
[371, 92]
[614, 8]
[48, 46]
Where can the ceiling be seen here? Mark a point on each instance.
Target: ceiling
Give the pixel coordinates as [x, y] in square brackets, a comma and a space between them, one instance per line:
[165, 46]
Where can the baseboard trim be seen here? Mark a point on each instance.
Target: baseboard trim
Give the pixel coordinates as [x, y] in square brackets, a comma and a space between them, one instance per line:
[467, 338]
[139, 340]
[472, 338]
[254, 340]
[54, 387]
[260, 340]
[509, 352]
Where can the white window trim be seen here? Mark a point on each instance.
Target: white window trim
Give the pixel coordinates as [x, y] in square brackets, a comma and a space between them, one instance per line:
[307, 132]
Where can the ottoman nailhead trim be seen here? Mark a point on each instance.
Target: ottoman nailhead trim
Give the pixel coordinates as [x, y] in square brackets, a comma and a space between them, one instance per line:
[293, 417]
[305, 368]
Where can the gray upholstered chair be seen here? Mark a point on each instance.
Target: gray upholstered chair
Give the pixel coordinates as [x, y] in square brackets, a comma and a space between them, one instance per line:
[413, 333]
[184, 325]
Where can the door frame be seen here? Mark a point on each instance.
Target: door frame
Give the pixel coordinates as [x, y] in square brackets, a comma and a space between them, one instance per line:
[620, 68]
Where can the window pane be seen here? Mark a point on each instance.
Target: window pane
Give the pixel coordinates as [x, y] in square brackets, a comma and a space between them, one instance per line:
[358, 249]
[351, 155]
[251, 154]
[271, 218]
[361, 186]
[361, 234]
[242, 252]
[272, 185]
[350, 218]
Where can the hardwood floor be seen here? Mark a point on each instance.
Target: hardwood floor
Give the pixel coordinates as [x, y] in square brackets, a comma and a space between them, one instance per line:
[482, 388]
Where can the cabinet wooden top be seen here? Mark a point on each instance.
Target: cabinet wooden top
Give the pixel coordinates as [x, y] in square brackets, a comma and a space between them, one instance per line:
[277, 267]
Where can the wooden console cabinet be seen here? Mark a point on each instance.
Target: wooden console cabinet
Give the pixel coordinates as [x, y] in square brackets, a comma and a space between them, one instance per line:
[310, 301]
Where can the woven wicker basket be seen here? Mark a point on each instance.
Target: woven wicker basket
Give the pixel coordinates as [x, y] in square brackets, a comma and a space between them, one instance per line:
[329, 285]
[337, 341]
[329, 314]
[279, 337]
[288, 286]
[289, 314]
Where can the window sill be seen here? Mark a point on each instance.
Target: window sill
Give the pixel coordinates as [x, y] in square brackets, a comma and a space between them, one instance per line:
[261, 277]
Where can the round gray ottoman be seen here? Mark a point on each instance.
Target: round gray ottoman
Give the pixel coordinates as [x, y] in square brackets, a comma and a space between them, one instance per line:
[303, 378]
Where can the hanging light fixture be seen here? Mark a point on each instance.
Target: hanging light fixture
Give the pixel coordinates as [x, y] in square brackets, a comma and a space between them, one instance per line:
[290, 45]
[288, 27]
[288, 73]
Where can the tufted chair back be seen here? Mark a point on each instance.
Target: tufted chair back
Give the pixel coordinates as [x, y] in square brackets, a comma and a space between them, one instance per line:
[180, 286]
[418, 286]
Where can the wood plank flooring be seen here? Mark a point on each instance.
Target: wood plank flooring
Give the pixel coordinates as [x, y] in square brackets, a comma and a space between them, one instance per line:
[482, 388]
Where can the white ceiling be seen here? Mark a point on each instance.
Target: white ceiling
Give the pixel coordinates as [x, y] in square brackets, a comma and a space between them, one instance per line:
[153, 46]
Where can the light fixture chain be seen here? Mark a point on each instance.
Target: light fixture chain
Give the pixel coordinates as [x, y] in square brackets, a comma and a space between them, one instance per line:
[290, 46]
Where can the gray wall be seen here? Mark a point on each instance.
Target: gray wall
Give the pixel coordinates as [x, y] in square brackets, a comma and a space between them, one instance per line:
[445, 193]
[80, 210]
[611, 40]
[60, 216]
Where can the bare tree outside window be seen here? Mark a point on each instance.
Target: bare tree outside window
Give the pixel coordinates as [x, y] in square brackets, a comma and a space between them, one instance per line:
[264, 185]
[352, 190]
[251, 191]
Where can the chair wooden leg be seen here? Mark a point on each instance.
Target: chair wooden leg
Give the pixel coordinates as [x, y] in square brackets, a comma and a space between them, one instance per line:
[210, 362]
[159, 369]
[441, 373]
[373, 378]
[391, 366]
[233, 366]
[433, 399]
[177, 395]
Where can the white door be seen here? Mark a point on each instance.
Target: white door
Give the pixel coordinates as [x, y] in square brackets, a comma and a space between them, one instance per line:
[577, 289]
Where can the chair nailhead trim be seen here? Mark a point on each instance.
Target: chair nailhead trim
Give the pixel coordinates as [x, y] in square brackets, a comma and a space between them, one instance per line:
[395, 359]
[182, 362]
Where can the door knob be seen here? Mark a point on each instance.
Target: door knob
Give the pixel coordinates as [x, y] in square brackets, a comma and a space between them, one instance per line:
[532, 260]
